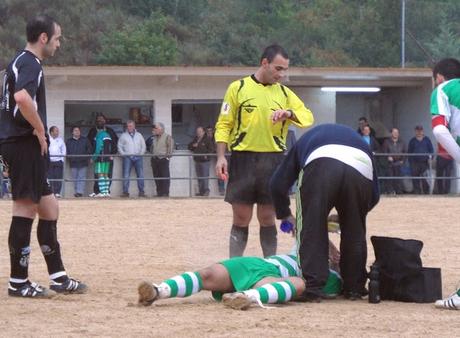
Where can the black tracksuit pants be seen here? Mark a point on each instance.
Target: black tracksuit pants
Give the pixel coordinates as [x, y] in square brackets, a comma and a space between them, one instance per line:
[328, 183]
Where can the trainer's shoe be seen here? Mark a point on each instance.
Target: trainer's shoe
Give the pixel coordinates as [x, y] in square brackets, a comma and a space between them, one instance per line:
[239, 301]
[148, 293]
[452, 302]
[71, 285]
[30, 290]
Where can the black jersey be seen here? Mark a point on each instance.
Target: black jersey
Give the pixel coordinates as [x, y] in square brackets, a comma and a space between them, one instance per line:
[24, 72]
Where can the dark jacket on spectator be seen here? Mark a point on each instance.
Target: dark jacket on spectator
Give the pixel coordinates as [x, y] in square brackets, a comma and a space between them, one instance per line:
[82, 146]
[420, 147]
[204, 146]
[398, 147]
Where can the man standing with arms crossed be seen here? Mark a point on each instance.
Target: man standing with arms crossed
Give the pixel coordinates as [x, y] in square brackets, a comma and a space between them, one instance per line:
[445, 120]
[24, 148]
[253, 124]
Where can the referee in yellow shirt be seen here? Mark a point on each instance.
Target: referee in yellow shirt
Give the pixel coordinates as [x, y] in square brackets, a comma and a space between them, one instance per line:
[253, 125]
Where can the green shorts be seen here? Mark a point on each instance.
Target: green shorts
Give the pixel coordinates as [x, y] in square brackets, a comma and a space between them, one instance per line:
[101, 167]
[245, 272]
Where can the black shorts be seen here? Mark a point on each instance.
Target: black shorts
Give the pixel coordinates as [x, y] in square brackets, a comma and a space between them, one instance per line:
[27, 169]
[249, 177]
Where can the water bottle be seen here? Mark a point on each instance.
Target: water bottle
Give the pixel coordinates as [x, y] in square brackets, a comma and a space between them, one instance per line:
[374, 284]
[286, 226]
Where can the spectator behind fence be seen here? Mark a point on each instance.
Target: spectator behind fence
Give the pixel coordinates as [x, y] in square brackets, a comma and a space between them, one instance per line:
[362, 122]
[78, 145]
[57, 151]
[131, 146]
[202, 144]
[161, 145]
[444, 168]
[395, 145]
[419, 144]
[370, 140]
[100, 125]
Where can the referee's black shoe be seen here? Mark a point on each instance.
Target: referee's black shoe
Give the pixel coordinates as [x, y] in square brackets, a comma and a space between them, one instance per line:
[71, 285]
[30, 290]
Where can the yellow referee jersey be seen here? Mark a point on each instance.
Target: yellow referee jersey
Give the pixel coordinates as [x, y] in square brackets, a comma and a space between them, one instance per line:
[245, 118]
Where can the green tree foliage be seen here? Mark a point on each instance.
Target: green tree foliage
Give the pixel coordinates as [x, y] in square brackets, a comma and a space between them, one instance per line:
[447, 43]
[233, 32]
[142, 43]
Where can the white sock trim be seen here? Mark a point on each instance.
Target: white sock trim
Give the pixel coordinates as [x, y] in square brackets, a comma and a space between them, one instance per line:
[58, 274]
[164, 291]
[17, 280]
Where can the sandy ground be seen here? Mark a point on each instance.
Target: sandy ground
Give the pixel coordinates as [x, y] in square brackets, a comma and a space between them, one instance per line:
[114, 244]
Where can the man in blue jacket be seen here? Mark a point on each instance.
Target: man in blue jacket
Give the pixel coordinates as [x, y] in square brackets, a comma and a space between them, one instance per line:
[78, 145]
[334, 168]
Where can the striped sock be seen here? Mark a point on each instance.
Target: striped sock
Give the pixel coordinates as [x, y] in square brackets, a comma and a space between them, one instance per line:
[103, 184]
[277, 292]
[181, 286]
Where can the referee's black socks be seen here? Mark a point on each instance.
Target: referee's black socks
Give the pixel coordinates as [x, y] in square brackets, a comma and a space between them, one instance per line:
[49, 245]
[268, 240]
[19, 245]
[238, 240]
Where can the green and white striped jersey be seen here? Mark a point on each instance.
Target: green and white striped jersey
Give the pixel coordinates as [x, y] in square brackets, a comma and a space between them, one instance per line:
[287, 264]
[445, 101]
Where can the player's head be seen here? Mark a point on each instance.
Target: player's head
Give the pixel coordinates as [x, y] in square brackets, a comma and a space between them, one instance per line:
[100, 120]
[446, 69]
[274, 63]
[46, 32]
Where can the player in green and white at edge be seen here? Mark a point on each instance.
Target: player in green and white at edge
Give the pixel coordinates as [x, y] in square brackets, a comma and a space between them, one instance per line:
[242, 281]
[445, 120]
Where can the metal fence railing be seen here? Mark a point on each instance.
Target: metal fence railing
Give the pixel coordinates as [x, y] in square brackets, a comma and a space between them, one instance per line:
[183, 173]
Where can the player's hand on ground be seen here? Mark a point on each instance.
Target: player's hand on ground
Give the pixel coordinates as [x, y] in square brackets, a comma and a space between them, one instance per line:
[42, 140]
[221, 168]
[281, 115]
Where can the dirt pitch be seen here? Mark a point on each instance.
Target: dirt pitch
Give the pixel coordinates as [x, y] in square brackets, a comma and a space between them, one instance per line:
[114, 244]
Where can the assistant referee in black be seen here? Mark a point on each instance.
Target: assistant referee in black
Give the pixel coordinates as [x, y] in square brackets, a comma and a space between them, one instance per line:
[24, 150]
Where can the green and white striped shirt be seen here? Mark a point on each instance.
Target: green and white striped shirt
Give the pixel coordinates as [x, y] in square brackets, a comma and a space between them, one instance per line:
[287, 264]
[445, 101]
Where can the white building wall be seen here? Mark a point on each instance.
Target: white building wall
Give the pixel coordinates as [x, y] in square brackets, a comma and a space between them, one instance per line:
[398, 107]
[322, 104]
[160, 90]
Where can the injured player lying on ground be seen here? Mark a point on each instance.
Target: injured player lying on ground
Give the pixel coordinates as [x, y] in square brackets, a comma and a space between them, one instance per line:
[242, 281]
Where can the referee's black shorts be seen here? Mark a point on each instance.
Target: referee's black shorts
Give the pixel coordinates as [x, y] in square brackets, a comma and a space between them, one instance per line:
[27, 168]
[249, 176]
